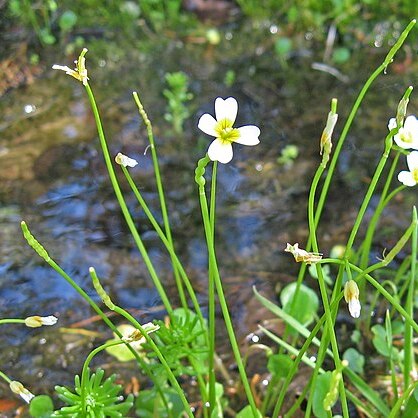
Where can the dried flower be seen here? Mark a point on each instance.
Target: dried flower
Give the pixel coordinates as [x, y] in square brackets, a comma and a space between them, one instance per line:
[124, 160]
[351, 296]
[19, 389]
[80, 71]
[302, 255]
[224, 132]
[38, 321]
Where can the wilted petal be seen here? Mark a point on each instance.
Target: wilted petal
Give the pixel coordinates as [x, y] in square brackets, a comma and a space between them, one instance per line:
[226, 109]
[354, 307]
[124, 160]
[220, 151]
[248, 135]
[19, 389]
[207, 124]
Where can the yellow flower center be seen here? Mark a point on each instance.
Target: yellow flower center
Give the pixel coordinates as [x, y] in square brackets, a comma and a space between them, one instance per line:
[225, 131]
[406, 136]
[414, 173]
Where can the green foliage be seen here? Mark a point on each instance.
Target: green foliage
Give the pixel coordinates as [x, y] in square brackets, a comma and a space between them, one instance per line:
[177, 96]
[382, 341]
[248, 413]
[304, 307]
[182, 344]
[279, 365]
[149, 404]
[355, 360]
[321, 389]
[288, 155]
[101, 399]
[41, 406]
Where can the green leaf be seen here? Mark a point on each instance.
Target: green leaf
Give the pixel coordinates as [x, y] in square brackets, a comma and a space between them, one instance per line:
[305, 306]
[321, 388]
[41, 407]
[279, 365]
[248, 413]
[67, 21]
[150, 405]
[283, 46]
[355, 360]
[341, 55]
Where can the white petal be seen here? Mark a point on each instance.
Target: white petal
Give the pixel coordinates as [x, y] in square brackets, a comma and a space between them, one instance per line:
[354, 307]
[220, 151]
[411, 125]
[392, 124]
[406, 178]
[124, 160]
[248, 135]
[226, 109]
[207, 124]
[62, 68]
[49, 320]
[412, 160]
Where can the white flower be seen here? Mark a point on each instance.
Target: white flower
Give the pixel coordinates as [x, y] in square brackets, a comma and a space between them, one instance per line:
[224, 132]
[19, 389]
[80, 71]
[410, 178]
[122, 159]
[407, 136]
[38, 321]
[351, 296]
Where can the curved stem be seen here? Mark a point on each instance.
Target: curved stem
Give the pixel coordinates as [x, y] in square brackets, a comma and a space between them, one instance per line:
[161, 196]
[123, 205]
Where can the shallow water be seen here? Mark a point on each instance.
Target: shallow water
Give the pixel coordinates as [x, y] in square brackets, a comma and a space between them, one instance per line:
[52, 175]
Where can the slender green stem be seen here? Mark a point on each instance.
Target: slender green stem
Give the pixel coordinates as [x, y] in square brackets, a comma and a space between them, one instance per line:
[161, 195]
[123, 205]
[409, 362]
[5, 377]
[169, 247]
[323, 290]
[85, 370]
[218, 283]
[160, 356]
[211, 297]
[11, 321]
[108, 302]
[376, 215]
[44, 254]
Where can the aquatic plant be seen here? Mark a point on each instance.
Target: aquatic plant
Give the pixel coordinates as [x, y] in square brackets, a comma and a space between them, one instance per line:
[184, 344]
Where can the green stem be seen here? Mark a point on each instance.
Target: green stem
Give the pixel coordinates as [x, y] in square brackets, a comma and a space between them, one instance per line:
[169, 247]
[409, 362]
[123, 205]
[323, 290]
[161, 195]
[218, 283]
[44, 254]
[367, 243]
[5, 377]
[108, 302]
[11, 321]
[211, 298]
[388, 59]
[85, 370]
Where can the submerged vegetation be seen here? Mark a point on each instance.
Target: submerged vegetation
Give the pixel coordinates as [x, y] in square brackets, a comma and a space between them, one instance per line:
[318, 362]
